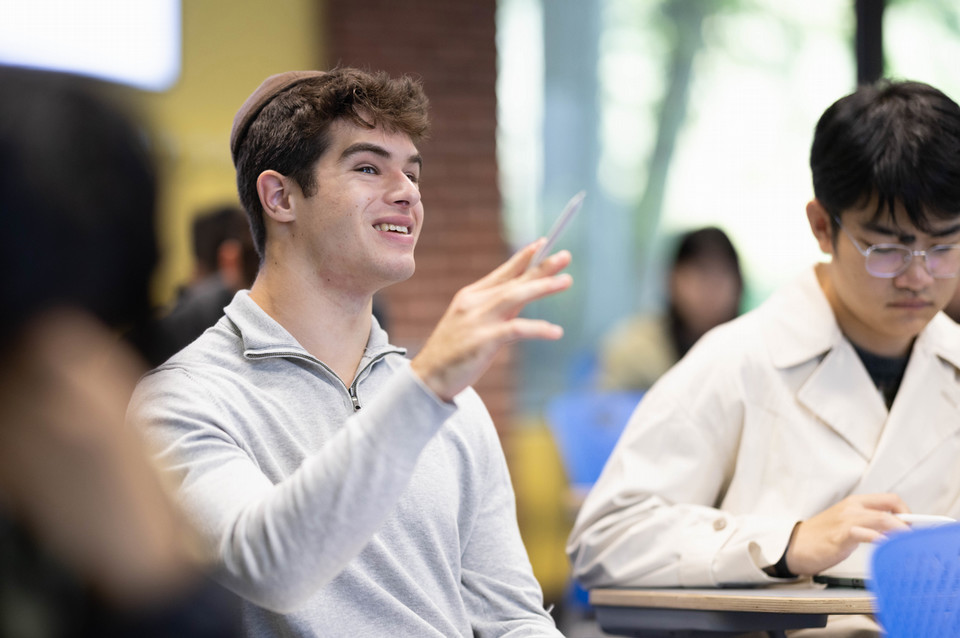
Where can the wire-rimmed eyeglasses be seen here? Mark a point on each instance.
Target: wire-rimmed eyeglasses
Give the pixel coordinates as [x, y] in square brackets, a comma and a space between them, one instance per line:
[891, 260]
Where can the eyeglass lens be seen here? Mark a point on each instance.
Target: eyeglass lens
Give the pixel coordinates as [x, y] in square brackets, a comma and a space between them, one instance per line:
[942, 261]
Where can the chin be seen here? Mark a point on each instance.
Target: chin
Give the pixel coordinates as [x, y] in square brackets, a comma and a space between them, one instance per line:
[911, 329]
[400, 271]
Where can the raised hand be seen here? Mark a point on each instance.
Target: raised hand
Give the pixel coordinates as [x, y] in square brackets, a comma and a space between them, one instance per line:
[829, 537]
[483, 316]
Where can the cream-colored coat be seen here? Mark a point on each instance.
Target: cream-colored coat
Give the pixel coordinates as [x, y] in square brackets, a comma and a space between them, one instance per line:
[768, 420]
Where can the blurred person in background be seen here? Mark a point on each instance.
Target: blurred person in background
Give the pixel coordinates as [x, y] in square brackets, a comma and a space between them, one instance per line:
[225, 261]
[90, 542]
[705, 287]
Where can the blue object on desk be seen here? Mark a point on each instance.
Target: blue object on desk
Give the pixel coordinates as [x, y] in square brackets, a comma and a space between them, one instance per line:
[916, 581]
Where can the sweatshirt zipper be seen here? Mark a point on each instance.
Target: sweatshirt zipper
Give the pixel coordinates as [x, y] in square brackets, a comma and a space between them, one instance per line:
[351, 389]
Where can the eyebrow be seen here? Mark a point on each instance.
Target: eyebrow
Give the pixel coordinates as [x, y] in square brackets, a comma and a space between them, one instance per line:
[376, 149]
[950, 230]
[907, 238]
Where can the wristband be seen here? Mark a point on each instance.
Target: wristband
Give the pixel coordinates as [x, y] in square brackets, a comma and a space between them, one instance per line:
[780, 569]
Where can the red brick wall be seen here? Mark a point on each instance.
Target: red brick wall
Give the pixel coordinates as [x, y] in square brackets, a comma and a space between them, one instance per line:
[450, 45]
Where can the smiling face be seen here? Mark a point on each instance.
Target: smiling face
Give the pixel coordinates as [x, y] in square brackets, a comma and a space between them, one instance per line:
[359, 229]
[880, 315]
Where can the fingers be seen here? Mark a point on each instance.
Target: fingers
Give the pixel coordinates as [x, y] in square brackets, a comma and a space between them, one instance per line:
[484, 315]
[876, 512]
[881, 521]
[830, 536]
[886, 502]
[516, 266]
[861, 534]
[549, 266]
[513, 267]
[515, 297]
[507, 298]
[522, 328]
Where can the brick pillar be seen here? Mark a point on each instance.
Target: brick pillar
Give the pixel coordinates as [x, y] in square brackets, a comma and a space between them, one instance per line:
[451, 46]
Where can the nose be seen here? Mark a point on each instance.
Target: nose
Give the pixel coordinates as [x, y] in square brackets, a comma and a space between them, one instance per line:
[916, 277]
[403, 191]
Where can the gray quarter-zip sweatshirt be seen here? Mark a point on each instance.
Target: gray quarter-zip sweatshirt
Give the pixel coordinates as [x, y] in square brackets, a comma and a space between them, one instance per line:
[372, 509]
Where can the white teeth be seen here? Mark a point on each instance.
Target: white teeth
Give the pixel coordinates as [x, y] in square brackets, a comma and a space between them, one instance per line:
[404, 230]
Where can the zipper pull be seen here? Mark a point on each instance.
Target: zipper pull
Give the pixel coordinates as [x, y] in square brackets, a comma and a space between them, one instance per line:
[353, 397]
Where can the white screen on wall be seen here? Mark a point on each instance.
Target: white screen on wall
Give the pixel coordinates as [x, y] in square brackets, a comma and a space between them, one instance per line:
[135, 42]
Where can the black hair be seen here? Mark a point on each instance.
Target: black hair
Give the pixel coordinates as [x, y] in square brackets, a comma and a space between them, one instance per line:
[77, 198]
[707, 243]
[897, 141]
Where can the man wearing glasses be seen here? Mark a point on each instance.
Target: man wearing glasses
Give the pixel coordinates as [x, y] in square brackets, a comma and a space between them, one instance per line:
[789, 436]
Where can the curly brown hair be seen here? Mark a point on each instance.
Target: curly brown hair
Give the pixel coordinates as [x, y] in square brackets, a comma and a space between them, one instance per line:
[292, 131]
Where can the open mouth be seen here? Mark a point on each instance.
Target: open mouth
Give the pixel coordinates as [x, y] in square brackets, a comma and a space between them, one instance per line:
[393, 228]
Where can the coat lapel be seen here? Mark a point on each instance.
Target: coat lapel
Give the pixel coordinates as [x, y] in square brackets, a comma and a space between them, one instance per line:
[842, 395]
[924, 414]
[838, 390]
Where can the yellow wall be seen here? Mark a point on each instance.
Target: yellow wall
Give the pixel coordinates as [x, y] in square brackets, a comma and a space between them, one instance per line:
[545, 512]
[229, 47]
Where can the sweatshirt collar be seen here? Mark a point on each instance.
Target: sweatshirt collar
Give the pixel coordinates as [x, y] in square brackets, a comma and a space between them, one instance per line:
[263, 336]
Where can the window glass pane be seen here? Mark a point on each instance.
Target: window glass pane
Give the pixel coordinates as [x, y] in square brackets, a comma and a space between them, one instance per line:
[709, 109]
[921, 41]
[131, 42]
[672, 114]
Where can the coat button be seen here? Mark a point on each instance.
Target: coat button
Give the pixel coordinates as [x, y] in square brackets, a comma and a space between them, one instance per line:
[719, 524]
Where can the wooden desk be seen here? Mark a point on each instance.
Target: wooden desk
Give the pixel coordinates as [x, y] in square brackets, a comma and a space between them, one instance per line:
[723, 612]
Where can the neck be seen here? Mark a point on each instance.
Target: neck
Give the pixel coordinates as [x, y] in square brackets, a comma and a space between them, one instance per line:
[331, 324]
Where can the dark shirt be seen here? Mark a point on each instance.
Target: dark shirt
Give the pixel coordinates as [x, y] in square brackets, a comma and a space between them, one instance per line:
[886, 372]
[198, 307]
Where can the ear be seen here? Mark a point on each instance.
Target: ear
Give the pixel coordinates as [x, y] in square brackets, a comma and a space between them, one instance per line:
[820, 224]
[275, 190]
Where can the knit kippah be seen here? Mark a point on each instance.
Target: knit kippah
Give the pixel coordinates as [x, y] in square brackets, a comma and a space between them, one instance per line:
[269, 89]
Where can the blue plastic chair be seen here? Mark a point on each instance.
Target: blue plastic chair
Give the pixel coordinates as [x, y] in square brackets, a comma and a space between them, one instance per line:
[916, 581]
[586, 426]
